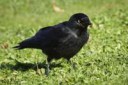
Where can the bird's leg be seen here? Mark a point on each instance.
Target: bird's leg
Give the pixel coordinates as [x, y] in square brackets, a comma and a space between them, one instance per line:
[47, 70]
[37, 67]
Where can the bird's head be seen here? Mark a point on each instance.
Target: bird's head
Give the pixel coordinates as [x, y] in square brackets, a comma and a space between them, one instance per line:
[81, 20]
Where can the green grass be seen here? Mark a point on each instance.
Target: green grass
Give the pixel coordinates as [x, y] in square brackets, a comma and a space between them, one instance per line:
[102, 61]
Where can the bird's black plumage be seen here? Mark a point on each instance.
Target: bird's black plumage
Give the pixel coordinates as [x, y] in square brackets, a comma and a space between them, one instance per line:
[61, 40]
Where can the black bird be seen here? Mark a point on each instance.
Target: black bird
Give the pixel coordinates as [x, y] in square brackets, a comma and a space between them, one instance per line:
[62, 40]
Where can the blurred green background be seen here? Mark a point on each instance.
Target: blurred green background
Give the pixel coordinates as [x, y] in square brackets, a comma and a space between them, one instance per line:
[103, 61]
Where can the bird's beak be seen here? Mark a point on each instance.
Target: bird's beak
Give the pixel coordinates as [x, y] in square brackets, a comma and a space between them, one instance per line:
[90, 24]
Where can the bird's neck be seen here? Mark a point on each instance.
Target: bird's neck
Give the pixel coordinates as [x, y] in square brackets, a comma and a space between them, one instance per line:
[79, 31]
[76, 28]
[79, 27]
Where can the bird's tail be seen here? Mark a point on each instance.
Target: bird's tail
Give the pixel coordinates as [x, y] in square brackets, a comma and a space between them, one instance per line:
[18, 47]
[28, 43]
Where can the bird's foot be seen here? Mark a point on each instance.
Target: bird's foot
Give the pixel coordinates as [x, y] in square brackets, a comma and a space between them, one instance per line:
[39, 71]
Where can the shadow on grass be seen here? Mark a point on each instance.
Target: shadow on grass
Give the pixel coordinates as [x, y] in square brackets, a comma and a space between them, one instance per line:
[26, 66]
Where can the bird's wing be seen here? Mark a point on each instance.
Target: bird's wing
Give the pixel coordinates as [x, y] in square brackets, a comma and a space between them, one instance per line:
[50, 37]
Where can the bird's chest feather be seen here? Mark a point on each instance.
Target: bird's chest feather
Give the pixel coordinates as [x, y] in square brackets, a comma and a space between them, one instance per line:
[71, 44]
[75, 40]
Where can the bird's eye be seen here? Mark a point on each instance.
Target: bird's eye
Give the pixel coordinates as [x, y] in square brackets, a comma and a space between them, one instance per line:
[78, 21]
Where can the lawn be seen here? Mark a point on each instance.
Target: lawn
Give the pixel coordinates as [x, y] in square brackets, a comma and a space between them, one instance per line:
[102, 61]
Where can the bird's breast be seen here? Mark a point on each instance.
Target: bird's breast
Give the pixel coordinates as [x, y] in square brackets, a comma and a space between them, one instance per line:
[71, 45]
